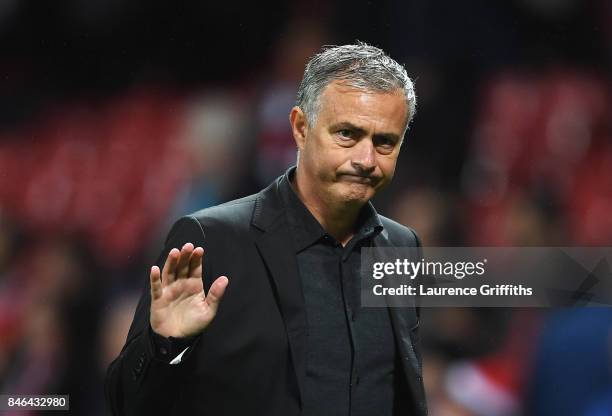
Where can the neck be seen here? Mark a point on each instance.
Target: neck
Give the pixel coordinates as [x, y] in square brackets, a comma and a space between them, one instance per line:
[337, 219]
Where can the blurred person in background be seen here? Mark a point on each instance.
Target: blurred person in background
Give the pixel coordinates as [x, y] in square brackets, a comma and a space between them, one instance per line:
[49, 307]
[289, 337]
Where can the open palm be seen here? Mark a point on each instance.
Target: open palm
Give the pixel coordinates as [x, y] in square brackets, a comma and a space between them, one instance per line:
[179, 306]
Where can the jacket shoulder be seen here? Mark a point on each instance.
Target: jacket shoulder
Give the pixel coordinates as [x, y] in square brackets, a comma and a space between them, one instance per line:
[400, 235]
[232, 215]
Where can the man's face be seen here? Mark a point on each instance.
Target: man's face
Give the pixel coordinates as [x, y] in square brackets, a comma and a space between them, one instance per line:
[351, 151]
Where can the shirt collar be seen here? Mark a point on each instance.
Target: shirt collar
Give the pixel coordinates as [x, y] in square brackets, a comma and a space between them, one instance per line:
[307, 230]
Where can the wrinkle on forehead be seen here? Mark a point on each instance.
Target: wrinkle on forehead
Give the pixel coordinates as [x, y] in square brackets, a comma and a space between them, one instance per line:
[362, 107]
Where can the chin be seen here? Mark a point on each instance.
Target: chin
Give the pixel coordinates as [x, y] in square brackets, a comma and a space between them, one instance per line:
[358, 194]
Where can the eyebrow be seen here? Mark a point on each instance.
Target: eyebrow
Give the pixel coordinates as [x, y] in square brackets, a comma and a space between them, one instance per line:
[360, 131]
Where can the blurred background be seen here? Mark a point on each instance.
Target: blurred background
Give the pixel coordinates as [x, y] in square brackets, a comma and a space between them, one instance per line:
[117, 117]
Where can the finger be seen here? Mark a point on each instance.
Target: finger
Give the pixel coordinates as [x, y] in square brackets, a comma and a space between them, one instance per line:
[169, 270]
[182, 268]
[215, 293]
[156, 286]
[195, 263]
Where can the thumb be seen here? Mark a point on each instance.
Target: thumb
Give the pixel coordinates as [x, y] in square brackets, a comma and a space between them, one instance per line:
[215, 293]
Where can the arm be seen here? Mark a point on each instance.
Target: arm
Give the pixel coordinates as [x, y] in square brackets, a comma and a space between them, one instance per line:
[173, 306]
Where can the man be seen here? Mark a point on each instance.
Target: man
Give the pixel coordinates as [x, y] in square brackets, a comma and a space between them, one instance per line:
[281, 331]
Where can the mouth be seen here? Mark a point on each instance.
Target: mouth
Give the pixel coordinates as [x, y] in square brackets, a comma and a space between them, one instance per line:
[367, 180]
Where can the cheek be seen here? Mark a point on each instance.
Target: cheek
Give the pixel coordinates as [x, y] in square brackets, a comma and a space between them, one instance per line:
[335, 159]
[319, 165]
[311, 156]
[387, 166]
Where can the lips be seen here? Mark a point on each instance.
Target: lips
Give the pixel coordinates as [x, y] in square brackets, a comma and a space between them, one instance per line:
[370, 180]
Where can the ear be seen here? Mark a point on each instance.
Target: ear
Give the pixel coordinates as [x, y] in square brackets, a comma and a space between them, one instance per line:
[299, 126]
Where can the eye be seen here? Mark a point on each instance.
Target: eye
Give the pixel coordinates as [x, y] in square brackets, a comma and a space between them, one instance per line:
[384, 144]
[346, 134]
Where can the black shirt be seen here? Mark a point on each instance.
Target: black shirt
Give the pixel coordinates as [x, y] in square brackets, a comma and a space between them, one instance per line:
[351, 358]
[352, 366]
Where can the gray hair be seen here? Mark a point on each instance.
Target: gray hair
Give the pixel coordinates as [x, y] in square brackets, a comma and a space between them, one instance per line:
[361, 66]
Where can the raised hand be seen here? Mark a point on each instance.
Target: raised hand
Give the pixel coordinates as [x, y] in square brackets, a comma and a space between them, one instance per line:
[179, 306]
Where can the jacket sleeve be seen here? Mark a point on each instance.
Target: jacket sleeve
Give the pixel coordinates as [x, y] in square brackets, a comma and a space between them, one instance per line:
[415, 331]
[138, 383]
[421, 402]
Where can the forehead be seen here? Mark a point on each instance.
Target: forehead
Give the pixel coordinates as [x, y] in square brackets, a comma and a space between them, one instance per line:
[342, 102]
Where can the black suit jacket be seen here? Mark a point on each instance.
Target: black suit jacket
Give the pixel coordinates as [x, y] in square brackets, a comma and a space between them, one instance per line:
[250, 359]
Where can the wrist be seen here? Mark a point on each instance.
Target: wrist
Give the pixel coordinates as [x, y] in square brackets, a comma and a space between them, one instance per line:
[166, 348]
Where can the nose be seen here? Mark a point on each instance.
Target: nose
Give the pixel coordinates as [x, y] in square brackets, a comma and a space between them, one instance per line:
[364, 157]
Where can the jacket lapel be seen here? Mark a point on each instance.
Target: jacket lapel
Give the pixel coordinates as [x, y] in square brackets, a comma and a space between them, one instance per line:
[403, 326]
[275, 244]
